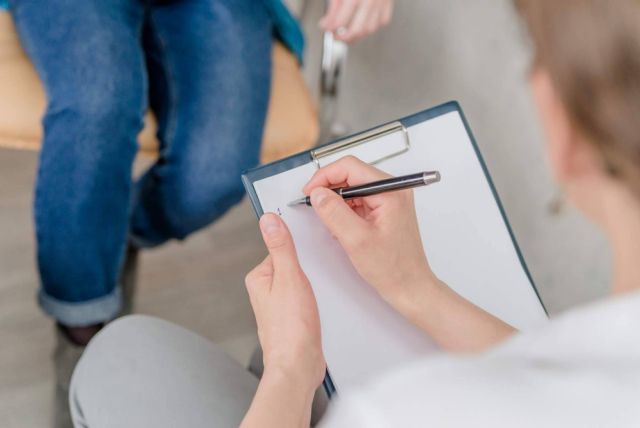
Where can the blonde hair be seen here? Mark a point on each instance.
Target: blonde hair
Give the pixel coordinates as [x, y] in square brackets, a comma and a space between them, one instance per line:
[591, 50]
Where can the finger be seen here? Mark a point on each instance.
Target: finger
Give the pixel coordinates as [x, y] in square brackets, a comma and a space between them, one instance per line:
[361, 211]
[343, 223]
[387, 13]
[327, 21]
[278, 240]
[375, 20]
[258, 282]
[344, 15]
[349, 170]
[358, 26]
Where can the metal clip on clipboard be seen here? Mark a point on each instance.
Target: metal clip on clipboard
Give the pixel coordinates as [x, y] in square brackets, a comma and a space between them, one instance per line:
[356, 146]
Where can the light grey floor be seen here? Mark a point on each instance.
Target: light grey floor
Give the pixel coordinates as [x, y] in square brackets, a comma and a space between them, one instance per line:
[198, 284]
[437, 50]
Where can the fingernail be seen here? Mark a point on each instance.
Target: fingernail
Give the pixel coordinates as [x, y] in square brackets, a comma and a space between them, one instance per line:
[317, 196]
[270, 224]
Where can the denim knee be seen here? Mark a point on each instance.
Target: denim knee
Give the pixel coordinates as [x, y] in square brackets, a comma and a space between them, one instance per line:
[91, 118]
[194, 204]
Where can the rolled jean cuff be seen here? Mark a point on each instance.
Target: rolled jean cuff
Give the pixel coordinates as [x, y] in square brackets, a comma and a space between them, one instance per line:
[80, 314]
[139, 242]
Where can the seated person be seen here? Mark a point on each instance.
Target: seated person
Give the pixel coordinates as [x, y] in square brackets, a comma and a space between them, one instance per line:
[582, 369]
[204, 68]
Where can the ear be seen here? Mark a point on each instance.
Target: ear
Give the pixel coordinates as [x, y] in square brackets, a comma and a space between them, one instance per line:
[562, 142]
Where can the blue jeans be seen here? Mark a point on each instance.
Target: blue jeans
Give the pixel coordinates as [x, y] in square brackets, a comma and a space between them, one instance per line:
[203, 66]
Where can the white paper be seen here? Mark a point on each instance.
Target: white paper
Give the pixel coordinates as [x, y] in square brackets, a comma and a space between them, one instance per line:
[464, 236]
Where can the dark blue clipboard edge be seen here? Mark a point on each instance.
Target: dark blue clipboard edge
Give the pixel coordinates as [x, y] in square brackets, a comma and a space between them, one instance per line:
[277, 167]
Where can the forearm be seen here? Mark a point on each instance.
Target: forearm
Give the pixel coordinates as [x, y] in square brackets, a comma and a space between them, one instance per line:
[450, 320]
[281, 401]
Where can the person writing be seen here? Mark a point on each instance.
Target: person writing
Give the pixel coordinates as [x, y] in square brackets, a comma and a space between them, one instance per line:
[581, 369]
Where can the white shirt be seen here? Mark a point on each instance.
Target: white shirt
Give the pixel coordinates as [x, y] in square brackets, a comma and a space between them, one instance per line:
[580, 370]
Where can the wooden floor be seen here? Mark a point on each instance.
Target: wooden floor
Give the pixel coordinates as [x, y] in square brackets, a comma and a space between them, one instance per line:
[198, 284]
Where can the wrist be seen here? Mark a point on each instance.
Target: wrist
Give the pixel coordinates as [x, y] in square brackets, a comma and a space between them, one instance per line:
[415, 295]
[293, 378]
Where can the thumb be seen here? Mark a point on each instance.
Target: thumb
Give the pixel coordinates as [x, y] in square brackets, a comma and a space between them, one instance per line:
[278, 240]
[340, 219]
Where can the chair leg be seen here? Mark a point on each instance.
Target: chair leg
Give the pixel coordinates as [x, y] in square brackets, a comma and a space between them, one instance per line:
[334, 56]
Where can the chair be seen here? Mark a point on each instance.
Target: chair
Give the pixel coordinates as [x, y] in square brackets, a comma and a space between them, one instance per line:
[291, 125]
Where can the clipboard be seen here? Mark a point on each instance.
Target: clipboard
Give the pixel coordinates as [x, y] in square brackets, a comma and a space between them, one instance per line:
[465, 232]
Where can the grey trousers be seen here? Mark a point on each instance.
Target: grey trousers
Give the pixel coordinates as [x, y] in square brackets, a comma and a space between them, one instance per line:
[144, 372]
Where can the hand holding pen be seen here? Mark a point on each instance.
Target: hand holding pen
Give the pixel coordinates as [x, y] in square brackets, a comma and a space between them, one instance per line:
[379, 233]
[381, 186]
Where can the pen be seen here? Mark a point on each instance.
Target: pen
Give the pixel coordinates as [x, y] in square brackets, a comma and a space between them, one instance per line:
[387, 185]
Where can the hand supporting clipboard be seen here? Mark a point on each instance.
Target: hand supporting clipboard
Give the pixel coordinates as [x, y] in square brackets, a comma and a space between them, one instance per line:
[461, 223]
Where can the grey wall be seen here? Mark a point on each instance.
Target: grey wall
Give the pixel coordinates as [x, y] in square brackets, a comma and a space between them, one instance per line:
[474, 51]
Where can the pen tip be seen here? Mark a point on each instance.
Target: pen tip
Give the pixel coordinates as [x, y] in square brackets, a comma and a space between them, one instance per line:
[296, 202]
